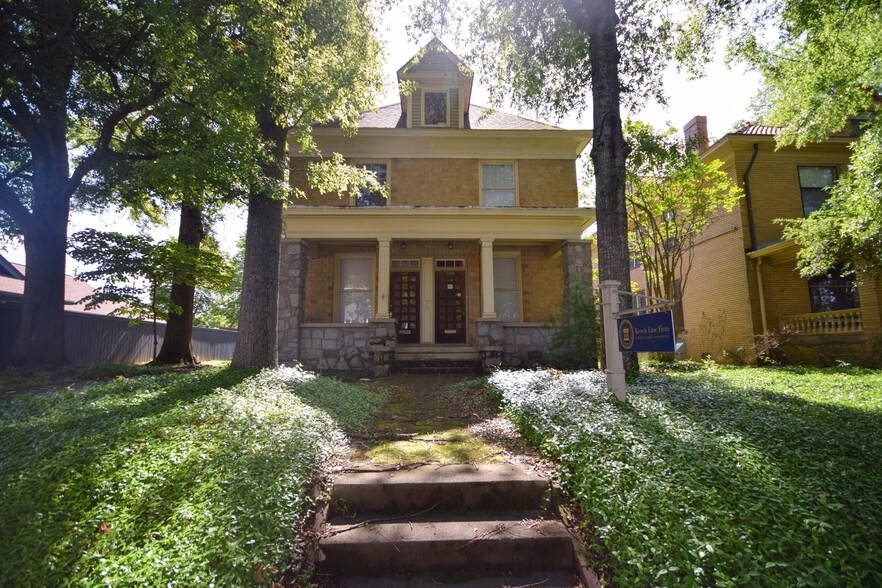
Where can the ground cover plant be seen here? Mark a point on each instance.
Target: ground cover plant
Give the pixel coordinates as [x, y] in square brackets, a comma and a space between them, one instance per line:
[719, 476]
[198, 478]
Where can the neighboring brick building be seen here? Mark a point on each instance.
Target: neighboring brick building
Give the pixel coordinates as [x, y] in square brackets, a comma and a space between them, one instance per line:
[468, 257]
[743, 267]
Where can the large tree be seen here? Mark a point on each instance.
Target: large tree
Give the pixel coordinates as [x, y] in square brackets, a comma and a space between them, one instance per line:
[73, 71]
[672, 197]
[562, 56]
[82, 80]
[324, 65]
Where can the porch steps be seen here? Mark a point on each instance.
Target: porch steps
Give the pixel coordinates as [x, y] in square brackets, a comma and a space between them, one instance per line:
[431, 358]
[468, 525]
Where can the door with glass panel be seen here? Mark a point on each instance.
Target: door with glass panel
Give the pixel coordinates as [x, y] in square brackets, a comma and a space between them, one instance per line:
[405, 301]
[450, 298]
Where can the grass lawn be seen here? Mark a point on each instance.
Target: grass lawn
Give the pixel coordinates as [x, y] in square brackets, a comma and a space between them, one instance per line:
[721, 476]
[196, 479]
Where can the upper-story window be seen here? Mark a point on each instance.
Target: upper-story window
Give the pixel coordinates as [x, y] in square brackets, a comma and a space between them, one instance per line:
[498, 184]
[435, 111]
[815, 183]
[366, 197]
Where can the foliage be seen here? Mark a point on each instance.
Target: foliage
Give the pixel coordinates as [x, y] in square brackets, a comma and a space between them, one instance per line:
[137, 270]
[672, 198]
[727, 477]
[190, 479]
[712, 328]
[220, 307]
[820, 74]
[577, 337]
[848, 228]
[538, 44]
[349, 405]
[769, 346]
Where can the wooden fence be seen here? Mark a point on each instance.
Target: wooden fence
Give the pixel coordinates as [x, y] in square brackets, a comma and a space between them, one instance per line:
[97, 338]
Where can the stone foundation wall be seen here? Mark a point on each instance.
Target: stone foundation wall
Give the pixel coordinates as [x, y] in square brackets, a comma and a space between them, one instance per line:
[527, 345]
[336, 348]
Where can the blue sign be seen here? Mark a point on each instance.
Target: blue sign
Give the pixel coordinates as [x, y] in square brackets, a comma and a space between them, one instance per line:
[647, 332]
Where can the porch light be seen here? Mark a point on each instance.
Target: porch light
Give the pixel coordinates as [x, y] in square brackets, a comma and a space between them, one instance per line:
[450, 244]
[404, 244]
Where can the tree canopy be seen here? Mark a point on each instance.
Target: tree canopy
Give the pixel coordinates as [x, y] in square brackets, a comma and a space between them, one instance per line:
[821, 76]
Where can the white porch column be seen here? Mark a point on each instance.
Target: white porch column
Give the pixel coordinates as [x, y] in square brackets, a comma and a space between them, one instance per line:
[383, 277]
[487, 294]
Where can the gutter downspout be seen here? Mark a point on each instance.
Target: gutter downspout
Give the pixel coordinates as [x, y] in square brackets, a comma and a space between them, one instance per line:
[762, 298]
[747, 196]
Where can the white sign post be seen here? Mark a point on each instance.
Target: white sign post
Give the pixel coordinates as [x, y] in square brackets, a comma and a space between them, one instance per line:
[615, 367]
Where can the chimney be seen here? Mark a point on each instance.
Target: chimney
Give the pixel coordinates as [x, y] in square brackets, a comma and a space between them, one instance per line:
[695, 133]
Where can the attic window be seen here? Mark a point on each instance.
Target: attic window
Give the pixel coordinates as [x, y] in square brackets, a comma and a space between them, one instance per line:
[435, 109]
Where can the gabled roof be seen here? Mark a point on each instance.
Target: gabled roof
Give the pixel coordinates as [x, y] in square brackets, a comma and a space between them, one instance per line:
[752, 129]
[478, 117]
[12, 286]
[434, 50]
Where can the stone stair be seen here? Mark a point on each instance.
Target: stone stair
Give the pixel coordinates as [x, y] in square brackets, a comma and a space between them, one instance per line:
[434, 358]
[465, 525]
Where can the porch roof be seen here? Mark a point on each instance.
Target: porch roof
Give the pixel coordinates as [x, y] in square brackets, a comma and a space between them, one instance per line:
[436, 222]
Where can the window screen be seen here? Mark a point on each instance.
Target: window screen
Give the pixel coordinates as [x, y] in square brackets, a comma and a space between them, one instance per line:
[505, 284]
[833, 292]
[497, 184]
[356, 287]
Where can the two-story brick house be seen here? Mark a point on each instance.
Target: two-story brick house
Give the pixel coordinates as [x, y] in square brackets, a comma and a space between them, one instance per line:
[743, 266]
[469, 255]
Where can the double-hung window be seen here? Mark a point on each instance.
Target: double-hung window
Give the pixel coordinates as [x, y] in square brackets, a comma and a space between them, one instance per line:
[355, 290]
[815, 183]
[505, 288]
[367, 197]
[498, 184]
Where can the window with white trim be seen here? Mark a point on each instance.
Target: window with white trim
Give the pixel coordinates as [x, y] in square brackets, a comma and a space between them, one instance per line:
[498, 184]
[435, 109]
[505, 288]
[355, 290]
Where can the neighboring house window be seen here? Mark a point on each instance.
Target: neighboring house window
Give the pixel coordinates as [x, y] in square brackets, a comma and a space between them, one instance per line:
[355, 292]
[505, 288]
[640, 301]
[366, 197]
[435, 109]
[497, 184]
[678, 303]
[815, 182]
[634, 261]
[833, 292]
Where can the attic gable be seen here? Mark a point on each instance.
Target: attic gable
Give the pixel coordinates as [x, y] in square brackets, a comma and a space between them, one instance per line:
[435, 74]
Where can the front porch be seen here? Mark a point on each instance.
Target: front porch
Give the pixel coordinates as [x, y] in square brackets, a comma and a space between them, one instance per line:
[435, 291]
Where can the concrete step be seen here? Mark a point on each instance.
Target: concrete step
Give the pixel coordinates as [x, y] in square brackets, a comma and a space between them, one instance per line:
[543, 578]
[457, 487]
[504, 545]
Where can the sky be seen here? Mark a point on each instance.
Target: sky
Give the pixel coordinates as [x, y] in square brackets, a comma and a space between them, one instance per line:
[723, 95]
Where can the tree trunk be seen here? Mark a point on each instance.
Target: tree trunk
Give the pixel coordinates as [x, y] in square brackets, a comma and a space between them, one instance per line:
[41, 337]
[609, 152]
[177, 346]
[257, 339]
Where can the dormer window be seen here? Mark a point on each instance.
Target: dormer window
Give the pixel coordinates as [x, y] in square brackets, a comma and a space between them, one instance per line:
[435, 109]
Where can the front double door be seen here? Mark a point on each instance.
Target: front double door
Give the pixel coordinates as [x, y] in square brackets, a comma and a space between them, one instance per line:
[449, 306]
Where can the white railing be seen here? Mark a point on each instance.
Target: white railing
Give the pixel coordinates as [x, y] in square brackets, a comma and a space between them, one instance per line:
[826, 323]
